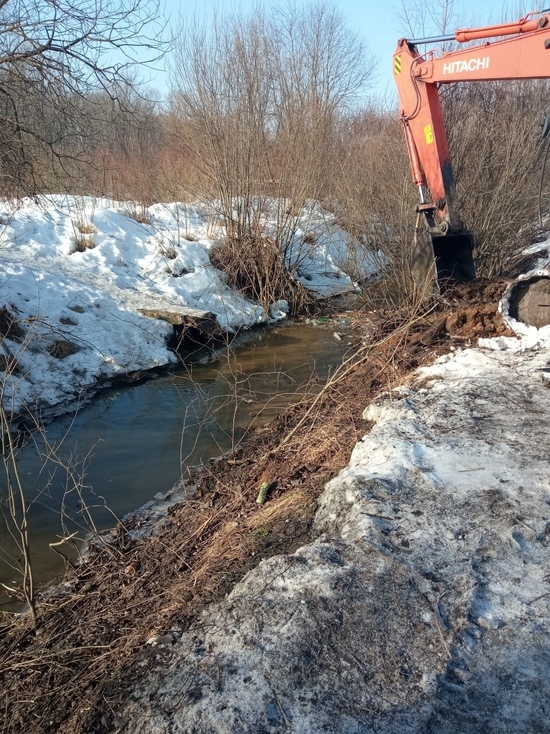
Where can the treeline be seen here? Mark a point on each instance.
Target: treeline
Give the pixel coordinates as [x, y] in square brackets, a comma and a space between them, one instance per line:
[264, 107]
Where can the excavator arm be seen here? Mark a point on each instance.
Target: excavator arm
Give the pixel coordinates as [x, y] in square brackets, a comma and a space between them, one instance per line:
[522, 51]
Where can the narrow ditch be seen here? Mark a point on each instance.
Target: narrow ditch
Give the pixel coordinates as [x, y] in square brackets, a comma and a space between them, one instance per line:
[134, 441]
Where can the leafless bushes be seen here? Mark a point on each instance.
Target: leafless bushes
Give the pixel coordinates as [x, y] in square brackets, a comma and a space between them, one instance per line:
[494, 133]
[374, 198]
[17, 507]
[261, 121]
[256, 268]
[54, 56]
[257, 100]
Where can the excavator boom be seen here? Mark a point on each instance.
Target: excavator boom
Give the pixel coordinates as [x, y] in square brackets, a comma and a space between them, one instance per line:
[521, 51]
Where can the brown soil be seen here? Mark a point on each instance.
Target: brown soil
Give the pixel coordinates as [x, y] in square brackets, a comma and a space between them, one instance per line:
[9, 326]
[472, 310]
[69, 673]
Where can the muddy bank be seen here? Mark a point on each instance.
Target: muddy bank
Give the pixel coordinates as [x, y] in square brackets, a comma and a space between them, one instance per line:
[93, 645]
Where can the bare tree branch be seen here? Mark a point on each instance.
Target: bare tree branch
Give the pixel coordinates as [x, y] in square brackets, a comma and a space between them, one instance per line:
[53, 55]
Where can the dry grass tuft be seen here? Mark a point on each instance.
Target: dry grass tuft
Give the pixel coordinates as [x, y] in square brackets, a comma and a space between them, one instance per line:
[61, 349]
[82, 243]
[256, 267]
[86, 228]
[138, 212]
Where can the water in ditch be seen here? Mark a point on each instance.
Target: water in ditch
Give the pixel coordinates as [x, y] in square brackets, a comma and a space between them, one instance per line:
[133, 442]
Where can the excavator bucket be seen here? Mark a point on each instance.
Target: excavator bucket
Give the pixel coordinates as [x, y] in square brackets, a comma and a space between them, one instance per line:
[446, 258]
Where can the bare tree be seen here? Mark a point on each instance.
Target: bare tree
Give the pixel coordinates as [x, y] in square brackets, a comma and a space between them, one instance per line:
[497, 167]
[320, 68]
[428, 17]
[222, 108]
[257, 99]
[52, 54]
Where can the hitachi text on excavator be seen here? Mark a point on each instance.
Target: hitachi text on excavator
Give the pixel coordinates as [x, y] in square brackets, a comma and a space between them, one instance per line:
[444, 247]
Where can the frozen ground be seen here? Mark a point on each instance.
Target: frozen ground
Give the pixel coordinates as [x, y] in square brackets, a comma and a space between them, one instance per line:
[423, 603]
[75, 274]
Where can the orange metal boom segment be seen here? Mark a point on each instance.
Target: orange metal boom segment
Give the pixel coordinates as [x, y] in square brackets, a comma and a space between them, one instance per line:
[525, 53]
[523, 25]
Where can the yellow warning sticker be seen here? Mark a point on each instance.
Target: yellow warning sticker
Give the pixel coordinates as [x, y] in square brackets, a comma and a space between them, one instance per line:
[397, 65]
[428, 134]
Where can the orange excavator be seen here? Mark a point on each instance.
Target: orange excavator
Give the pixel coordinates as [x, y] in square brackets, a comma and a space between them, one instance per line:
[444, 248]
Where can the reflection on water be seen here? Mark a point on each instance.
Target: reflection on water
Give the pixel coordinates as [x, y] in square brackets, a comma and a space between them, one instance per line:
[133, 442]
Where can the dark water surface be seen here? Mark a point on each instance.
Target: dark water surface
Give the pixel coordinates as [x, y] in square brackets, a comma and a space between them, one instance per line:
[131, 443]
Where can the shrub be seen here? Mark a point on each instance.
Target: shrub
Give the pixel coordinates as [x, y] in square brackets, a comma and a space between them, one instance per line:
[494, 137]
[83, 243]
[256, 268]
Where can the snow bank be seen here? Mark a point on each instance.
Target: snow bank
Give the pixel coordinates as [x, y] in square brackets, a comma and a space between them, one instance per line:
[76, 272]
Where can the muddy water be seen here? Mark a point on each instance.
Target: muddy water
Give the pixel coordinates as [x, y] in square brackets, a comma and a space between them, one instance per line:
[132, 443]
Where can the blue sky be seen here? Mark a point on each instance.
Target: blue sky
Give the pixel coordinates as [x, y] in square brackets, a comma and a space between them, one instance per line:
[380, 24]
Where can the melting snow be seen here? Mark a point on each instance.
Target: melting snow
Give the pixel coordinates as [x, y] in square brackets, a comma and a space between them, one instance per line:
[92, 298]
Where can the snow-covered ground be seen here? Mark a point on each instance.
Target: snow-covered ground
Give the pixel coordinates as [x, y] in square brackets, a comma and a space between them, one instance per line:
[76, 273]
[423, 604]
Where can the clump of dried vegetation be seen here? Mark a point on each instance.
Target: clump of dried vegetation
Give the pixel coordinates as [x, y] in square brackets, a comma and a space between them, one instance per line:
[256, 268]
[83, 243]
[10, 328]
[61, 349]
